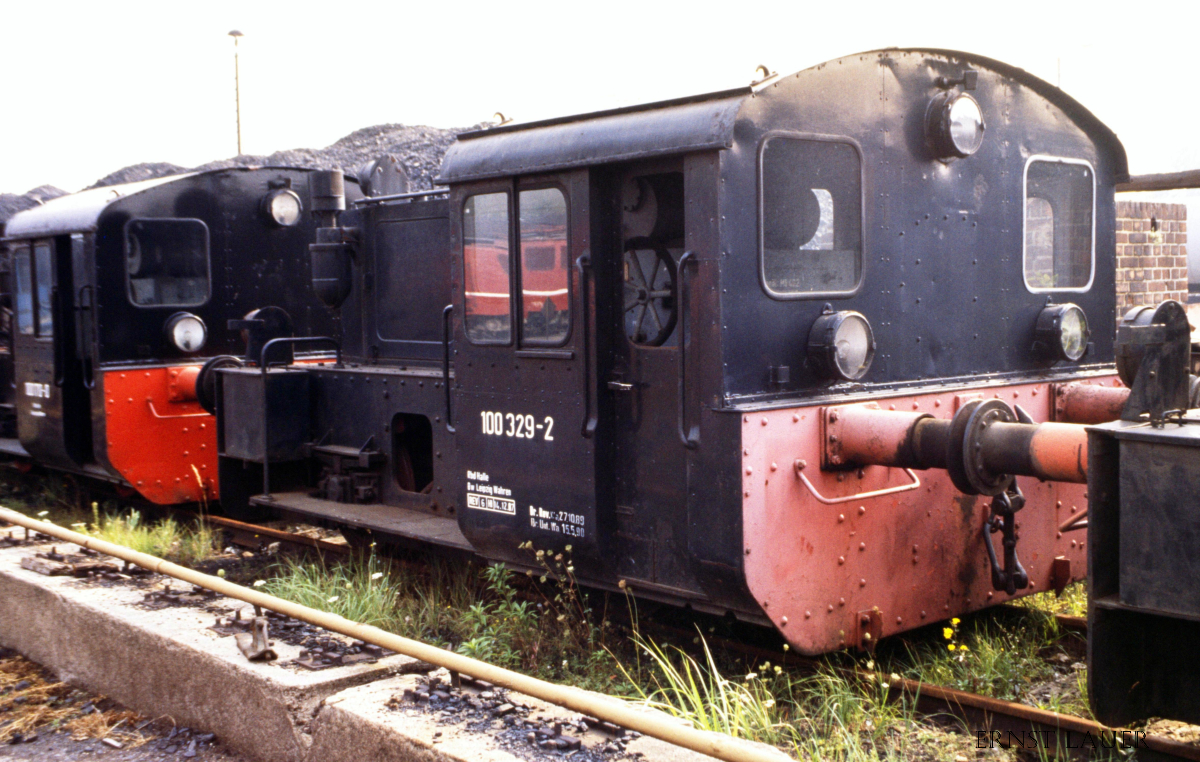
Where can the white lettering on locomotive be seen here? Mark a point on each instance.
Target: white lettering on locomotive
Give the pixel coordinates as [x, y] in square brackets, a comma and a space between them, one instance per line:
[489, 497]
[516, 425]
[41, 391]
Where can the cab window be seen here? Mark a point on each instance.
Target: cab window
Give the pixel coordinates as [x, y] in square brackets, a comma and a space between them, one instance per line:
[811, 217]
[487, 277]
[24, 289]
[1059, 239]
[545, 273]
[167, 262]
[44, 283]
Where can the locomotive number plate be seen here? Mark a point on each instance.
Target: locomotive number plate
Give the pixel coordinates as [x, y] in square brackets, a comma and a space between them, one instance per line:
[516, 425]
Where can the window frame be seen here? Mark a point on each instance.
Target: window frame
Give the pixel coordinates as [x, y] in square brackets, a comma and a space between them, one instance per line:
[207, 261]
[518, 265]
[862, 222]
[1025, 220]
[484, 189]
[513, 187]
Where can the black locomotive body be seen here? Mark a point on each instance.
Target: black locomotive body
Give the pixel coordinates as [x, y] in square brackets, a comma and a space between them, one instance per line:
[119, 294]
[659, 316]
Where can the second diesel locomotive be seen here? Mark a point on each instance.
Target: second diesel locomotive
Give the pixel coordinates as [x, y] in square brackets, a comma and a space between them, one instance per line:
[122, 296]
[743, 351]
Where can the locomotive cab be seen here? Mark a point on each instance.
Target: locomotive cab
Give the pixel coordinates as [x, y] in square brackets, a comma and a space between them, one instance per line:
[904, 230]
[120, 294]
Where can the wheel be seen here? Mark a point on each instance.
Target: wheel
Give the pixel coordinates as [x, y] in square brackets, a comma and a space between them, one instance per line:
[649, 292]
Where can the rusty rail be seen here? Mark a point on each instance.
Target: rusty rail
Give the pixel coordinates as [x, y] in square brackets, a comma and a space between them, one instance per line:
[614, 711]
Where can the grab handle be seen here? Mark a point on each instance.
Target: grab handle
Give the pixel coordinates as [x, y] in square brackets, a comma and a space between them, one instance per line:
[916, 484]
[689, 437]
[446, 313]
[584, 265]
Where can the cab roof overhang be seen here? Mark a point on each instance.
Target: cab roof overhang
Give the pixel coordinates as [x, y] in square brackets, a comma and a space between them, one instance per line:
[654, 129]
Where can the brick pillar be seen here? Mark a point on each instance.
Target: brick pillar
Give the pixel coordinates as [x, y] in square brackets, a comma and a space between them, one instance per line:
[1151, 254]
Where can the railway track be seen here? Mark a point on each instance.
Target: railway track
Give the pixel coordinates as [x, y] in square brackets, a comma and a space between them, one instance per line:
[977, 711]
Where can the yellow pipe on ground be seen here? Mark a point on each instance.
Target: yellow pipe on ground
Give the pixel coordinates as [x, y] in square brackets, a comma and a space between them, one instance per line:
[654, 724]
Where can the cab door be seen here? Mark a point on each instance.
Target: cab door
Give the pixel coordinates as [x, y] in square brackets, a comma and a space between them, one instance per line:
[523, 411]
[53, 409]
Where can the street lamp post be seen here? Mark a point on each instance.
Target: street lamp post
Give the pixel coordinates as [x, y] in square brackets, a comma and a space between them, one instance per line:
[237, 89]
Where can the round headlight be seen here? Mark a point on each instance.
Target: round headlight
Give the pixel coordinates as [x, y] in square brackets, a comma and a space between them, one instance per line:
[842, 345]
[283, 207]
[186, 332]
[955, 125]
[1062, 332]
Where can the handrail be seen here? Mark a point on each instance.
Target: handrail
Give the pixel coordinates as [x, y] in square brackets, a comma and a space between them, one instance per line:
[58, 338]
[916, 484]
[584, 265]
[689, 437]
[85, 347]
[262, 355]
[156, 414]
[446, 314]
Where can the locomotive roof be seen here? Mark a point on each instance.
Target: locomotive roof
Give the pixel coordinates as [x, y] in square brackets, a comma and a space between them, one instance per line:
[79, 212]
[76, 212]
[683, 125]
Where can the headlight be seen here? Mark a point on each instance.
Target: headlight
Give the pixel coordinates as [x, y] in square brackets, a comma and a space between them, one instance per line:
[954, 125]
[842, 345]
[1062, 332]
[186, 332]
[283, 207]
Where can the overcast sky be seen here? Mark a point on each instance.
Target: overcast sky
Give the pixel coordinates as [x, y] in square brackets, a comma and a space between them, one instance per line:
[92, 87]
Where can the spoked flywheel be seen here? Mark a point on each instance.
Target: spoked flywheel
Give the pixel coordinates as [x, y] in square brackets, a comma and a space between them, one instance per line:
[650, 298]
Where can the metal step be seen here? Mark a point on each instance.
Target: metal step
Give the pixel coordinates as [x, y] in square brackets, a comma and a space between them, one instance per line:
[385, 519]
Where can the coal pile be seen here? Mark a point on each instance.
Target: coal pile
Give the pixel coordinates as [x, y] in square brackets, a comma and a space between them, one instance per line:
[11, 203]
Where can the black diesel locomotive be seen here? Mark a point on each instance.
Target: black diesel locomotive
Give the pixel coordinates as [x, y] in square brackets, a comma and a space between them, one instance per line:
[119, 295]
[777, 351]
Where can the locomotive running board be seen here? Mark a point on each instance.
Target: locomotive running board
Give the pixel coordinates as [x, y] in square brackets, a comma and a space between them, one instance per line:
[385, 519]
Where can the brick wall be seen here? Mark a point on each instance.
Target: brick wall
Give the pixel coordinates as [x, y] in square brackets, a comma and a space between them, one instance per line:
[1151, 253]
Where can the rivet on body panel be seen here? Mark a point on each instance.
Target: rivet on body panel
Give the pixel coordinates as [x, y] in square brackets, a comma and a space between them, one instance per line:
[841, 517]
[831, 608]
[862, 546]
[783, 622]
[841, 601]
[862, 583]
[749, 470]
[808, 615]
[764, 421]
[899, 620]
[922, 614]
[774, 466]
[841, 560]
[795, 418]
[862, 509]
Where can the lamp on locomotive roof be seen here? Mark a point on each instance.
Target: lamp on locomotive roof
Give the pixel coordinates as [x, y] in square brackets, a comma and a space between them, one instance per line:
[237, 89]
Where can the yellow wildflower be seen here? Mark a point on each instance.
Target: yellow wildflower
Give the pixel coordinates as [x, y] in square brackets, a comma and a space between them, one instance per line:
[947, 633]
